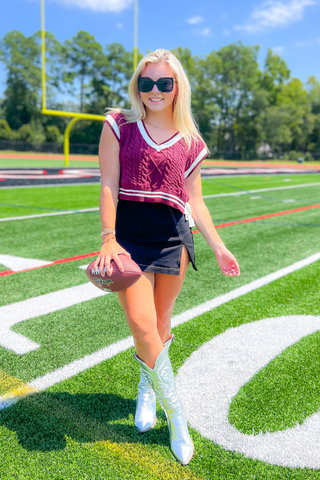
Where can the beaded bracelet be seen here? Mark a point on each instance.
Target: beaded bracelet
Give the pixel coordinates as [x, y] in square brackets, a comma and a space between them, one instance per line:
[107, 230]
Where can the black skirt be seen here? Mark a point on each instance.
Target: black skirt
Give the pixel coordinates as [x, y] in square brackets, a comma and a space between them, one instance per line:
[153, 233]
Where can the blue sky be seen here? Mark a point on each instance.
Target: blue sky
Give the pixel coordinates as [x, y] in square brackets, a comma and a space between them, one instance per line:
[289, 27]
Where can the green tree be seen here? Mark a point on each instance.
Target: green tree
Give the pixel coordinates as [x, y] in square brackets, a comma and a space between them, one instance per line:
[274, 75]
[108, 88]
[5, 130]
[81, 56]
[295, 97]
[313, 89]
[236, 81]
[273, 125]
[21, 57]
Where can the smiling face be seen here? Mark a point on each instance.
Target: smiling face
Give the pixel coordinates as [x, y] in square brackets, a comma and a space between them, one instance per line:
[155, 100]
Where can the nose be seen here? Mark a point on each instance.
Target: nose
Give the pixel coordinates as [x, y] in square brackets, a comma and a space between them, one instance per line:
[155, 88]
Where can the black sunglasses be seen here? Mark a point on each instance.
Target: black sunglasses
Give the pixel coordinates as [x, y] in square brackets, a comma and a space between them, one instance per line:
[164, 84]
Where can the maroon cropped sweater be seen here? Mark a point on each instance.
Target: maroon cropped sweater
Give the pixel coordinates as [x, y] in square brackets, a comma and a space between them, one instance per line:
[151, 172]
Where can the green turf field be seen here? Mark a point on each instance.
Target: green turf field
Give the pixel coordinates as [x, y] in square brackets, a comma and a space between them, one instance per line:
[38, 160]
[82, 427]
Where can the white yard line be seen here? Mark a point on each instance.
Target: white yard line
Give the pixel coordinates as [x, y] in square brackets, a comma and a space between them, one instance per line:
[53, 214]
[232, 194]
[18, 312]
[77, 366]
[271, 189]
[89, 361]
[50, 185]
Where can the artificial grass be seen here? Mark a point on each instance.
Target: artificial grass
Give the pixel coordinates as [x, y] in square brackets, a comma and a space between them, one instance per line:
[283, 394]
[231, 184]
[84, 425]
[30, 201]
[41, 163]
[260, 248]
[83, 428]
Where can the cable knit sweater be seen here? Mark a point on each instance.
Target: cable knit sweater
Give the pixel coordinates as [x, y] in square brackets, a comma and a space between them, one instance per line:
[151, 172]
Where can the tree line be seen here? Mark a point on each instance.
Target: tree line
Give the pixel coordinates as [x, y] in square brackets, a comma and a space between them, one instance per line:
[237, 106]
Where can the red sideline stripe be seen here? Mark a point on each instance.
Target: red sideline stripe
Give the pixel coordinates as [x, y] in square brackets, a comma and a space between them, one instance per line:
[56, 262]
[222, 225]
[241, 164]
[253, 219]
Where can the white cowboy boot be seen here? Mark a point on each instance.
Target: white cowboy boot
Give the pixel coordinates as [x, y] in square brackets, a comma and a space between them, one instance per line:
[161, 378]
[145, 416]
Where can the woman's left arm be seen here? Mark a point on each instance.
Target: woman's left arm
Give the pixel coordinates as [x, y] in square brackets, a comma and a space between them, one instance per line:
[201, 216]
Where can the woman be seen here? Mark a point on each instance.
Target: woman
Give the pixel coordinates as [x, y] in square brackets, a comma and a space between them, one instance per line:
[150, 159]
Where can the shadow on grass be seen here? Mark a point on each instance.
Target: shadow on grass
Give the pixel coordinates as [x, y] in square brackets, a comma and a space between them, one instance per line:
[44, 420]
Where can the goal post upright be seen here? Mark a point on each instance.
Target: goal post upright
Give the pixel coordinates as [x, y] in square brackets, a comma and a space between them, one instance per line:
[43, 59]
[75, 116]
[135, 36]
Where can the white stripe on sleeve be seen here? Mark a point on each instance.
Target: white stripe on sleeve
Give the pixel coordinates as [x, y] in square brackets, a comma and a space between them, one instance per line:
[196, 161]
[114, 125]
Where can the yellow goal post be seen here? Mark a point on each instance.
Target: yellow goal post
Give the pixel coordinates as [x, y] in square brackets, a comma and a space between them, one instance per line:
[75, 116]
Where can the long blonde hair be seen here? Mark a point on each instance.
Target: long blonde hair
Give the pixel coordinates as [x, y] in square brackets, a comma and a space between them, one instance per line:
[182, 115]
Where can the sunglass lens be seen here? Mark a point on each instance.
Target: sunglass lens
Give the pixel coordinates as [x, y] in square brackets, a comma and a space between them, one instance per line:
[165, 85]
[144, 85]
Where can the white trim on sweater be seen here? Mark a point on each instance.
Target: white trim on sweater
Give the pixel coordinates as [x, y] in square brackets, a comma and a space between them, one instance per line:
[196, 161]
[113, 124]
[146, 193]
[154, 145]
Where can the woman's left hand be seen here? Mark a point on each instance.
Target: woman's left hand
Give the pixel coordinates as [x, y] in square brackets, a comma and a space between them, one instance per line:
[227, 262]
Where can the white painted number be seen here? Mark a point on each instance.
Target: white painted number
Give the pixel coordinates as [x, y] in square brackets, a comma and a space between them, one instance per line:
[213, 375]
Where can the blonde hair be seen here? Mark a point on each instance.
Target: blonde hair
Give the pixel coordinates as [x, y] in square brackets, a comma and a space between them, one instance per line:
[182, 115]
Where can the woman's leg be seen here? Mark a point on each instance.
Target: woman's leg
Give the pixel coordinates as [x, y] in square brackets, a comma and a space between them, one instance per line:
[138, 305]
[166, 290]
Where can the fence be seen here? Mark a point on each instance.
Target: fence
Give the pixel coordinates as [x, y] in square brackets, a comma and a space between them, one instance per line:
[48, 147]
[87, 149]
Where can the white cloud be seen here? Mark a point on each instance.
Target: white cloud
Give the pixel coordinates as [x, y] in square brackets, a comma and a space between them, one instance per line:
[98, 5]
[205, 32]
[194, 20]
[273, 14]
[278, 49]
[119, 25]
[308, 43]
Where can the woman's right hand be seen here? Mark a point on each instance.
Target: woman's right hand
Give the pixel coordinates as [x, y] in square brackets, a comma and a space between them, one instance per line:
[109, 251]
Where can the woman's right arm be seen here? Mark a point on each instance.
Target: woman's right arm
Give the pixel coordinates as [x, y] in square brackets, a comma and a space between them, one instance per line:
[110, 176]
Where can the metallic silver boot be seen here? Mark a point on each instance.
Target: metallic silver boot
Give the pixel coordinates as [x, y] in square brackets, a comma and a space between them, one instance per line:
[145, 416]
[161, 378]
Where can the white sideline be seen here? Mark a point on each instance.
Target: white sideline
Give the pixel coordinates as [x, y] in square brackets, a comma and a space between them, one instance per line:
[232, 194]
[77, 366]
[246, 192]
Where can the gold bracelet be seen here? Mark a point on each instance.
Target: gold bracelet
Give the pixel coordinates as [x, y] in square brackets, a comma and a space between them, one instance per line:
[107, 234]
[105, 241]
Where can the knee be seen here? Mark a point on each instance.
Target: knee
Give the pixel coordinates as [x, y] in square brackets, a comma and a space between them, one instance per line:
[141, 326]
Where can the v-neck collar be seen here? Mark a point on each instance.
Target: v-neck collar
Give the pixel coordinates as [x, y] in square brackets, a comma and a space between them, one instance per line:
[175, 138]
